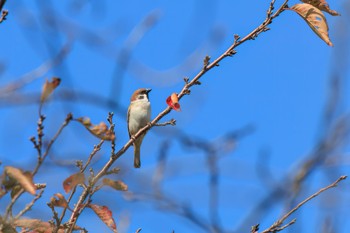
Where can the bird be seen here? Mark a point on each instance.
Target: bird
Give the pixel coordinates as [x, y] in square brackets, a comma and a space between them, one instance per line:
[139, 115]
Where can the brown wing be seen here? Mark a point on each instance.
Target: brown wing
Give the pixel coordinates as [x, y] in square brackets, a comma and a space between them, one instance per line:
[127, 120]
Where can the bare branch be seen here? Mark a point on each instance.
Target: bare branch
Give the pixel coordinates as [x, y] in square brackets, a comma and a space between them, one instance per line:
[171, 122]
[59, 131]
[30, 205]
[277, 225]
[4, 13]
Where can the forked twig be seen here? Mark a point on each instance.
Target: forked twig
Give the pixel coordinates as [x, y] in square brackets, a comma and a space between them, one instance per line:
[277, 225]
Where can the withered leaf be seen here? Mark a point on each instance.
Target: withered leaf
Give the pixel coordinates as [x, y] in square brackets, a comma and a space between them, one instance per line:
[116, 184]
[105, 215]
[15, 190]
[22, 179]
[7, 182]
[60, 201]
[34, 224]
[315, 19]
[49, 87]
[2, 192]
[37, 226]
[85, 121]
[322, 5]
[7, 227]
[72, 181]
[101, 130]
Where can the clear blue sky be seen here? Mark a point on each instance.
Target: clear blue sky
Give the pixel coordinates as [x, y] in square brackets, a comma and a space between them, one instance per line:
[278, 83]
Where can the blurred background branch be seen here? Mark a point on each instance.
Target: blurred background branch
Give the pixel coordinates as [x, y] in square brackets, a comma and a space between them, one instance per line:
[246, 148]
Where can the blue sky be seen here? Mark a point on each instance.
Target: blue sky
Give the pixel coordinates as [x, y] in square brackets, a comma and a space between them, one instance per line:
[278, 84]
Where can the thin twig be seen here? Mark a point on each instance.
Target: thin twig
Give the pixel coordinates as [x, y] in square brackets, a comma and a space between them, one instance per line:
[59, 220]
[2, 3]
[59, 131]
[4, 13]
[54, 216]
[30, 205]
[277, 225]
[171, 122]
[8, 212]
[287, 225]
[95, 150]
[41, 157]
[36, 73]
[92, 154]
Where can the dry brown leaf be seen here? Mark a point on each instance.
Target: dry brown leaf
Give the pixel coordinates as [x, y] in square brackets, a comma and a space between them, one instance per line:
[72, 181]
[101, 130]
[23, 179]
[15, 190]
[116, 184]
[2, 192]
[7, 227]
[322, 5]
[105, 215]
[60, 201]
[49, 87]
[85, 121]
[315, 19]
[36, 225]
[7, 182]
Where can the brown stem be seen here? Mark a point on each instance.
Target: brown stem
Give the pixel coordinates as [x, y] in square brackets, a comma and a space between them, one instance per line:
[277, 225]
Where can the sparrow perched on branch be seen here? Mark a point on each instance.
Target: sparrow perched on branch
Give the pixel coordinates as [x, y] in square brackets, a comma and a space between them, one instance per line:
[139, 114]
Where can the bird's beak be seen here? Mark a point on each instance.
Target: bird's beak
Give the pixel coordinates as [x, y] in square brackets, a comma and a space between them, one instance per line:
[148, 90]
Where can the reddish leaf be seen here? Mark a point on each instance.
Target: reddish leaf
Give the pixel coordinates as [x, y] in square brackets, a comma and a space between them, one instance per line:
[72, 181]
[49, 87]
[173, 102]
[116, 184]
[322, 5]
[60, 201]
[105, 215]
[315, 19]
[23, 179]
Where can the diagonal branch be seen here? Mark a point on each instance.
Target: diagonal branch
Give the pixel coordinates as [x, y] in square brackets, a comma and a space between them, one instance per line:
[277, 225]
[4, 13]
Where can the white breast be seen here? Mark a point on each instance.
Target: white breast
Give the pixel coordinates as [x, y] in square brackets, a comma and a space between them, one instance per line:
[139, 115]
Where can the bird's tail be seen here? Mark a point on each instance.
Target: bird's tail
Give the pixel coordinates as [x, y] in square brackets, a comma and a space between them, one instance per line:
[137, 159]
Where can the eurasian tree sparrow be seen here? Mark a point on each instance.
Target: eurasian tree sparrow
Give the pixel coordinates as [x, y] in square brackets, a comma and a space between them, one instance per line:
[139, 114]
